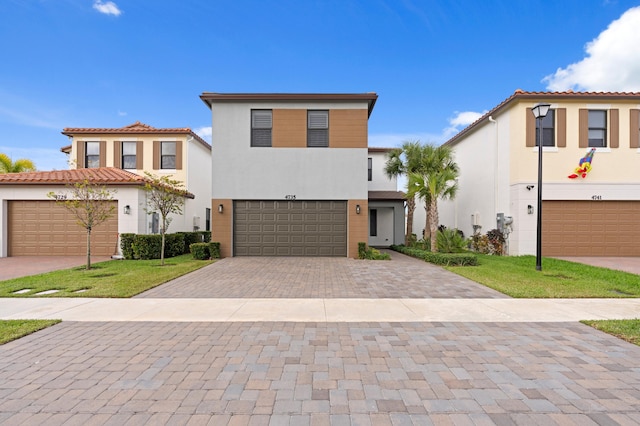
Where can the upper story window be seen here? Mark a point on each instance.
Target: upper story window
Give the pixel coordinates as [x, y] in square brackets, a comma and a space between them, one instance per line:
[317, 128]
[261, 124]
[597, 128]
[168, 155]
[548, 130]
[92, 155]
[370, 170]
[128, 160]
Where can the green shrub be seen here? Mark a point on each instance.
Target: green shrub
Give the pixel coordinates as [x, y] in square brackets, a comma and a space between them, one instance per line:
[214, 249]
[451, 259]
[126, 242]
[147, 246]
[173, 245]
[450, 241]
[370, 253]
[200, 251]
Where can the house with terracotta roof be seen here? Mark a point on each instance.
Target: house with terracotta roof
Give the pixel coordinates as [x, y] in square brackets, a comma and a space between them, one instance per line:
[586, 211]
[33, 225]
[117, 158]
[288, 175]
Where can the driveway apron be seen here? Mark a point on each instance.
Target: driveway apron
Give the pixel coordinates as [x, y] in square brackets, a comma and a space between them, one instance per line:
[320, 373]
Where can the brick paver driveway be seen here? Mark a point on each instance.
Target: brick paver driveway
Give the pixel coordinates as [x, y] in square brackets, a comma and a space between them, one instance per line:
[306, 373]
[296, 277]
[284, 373]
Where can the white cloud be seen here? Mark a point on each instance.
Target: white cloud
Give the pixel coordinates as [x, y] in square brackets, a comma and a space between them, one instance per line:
[122, 113]
[204, 132]
[612, 61]
[459, 121]
[107, 7]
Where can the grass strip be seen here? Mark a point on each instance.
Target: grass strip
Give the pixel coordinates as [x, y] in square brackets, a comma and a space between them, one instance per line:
[114, 278]
[15, 329]
[628, 330]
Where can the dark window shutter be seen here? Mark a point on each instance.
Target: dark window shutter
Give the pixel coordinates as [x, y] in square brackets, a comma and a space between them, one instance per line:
[614, 131]
[634, 128]
[156, 155]
[178, 155]
[103, 154]
[117, 154]
[317, 129]
[583, 128]
[139, 150]
[80, 160]
[261, 125]
[561, 127]
[530, 129]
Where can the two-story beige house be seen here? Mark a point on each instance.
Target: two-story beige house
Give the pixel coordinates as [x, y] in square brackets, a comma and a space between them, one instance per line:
[288, 173]
[594, 215]
[32, 224]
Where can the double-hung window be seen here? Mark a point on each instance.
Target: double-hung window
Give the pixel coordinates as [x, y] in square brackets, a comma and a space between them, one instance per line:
[597, 128]
[129, 155]
[92, 155]
[168, 155]
[317, 129]
[261, 125]
[370, 170]
[548, 130]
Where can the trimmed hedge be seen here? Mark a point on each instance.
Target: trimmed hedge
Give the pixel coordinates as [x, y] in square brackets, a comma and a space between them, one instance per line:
[135, 246]
[203, 251]
[194, 237]
[444, 259]
[369, 253]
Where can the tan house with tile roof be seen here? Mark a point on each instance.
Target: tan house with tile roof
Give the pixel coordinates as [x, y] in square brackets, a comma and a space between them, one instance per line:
[594, 215]
[33, 225]
[119, 157]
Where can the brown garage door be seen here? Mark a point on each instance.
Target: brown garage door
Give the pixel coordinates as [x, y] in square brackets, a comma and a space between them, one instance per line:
[42, 228]
[590, 228]
[290, 228]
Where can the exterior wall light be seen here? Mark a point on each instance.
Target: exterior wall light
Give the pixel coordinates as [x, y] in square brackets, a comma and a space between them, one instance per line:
[220, 208]
[529, 209]
[127, 209]
[357, 208]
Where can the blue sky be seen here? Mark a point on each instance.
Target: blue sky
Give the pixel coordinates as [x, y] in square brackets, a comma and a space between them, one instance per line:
[435, 64]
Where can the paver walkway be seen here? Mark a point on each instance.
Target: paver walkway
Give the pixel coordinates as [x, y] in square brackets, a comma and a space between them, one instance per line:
[453, 355]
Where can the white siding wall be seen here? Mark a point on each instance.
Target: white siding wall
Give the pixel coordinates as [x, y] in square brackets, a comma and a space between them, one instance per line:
[198, 168]
[379, 180]
[240, 171]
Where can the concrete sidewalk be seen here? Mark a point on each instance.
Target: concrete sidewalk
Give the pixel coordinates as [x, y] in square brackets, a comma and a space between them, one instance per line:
[319, 310]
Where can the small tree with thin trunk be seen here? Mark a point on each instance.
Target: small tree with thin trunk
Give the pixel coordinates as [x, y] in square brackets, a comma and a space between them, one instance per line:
[165, 196]
[90, 203]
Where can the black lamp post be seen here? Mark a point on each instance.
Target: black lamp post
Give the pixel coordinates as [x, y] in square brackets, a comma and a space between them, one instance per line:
[539, 112]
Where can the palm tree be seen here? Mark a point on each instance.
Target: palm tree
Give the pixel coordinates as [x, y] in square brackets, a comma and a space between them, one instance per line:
[404, 161]
[21, 165]
[436, 179]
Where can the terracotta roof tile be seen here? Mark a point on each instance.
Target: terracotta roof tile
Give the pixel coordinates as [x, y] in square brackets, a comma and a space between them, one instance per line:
[387, 195]
[546, 96]
[133, 129]
[102, 176]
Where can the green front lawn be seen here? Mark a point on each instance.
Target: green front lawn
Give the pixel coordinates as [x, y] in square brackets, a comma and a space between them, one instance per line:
[115, 278]
[516, 276]
[628, 330]
[15, 329]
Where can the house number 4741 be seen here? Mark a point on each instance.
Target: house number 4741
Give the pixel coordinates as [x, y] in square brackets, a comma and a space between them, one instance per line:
[596, 197]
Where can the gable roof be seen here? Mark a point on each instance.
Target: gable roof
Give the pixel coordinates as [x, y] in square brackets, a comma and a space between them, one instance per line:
[101, 176]
[520, 94]
[370, 97]
[136, 128]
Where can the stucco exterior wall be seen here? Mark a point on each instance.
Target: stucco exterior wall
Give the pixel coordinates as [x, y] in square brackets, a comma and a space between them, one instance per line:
[379, 180]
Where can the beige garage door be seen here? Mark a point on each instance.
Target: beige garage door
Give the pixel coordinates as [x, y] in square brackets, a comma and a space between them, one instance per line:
[42, 228]
[290, 228]
[590, 228]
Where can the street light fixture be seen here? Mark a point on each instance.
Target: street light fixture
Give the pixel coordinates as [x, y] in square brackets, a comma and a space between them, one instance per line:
[539, 112]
